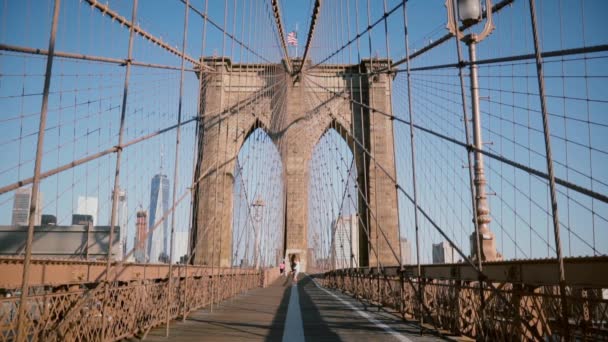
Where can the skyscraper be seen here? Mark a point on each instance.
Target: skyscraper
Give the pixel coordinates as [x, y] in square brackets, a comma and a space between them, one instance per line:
[122, 221]
[21, 207]
[346, 241]
[443, 253]
[140, 233]
[158, 240]
[88, 206]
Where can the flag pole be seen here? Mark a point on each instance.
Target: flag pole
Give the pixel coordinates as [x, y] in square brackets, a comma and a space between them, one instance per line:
[296, 40]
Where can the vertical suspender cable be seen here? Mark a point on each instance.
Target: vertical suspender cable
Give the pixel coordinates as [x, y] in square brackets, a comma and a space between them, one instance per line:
[413, 156]
[176, 168]
[549, 157]
[123, 114]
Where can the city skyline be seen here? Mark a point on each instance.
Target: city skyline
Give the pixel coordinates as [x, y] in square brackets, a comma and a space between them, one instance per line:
[86, 209]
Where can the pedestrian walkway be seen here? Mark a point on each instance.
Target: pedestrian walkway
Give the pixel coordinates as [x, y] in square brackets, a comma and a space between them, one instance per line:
[287, 312]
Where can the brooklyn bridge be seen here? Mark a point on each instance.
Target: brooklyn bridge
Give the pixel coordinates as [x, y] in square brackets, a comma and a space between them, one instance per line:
[277, 170]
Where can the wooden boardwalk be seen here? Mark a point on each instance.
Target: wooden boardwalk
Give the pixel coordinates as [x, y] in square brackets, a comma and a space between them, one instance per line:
[286, 312]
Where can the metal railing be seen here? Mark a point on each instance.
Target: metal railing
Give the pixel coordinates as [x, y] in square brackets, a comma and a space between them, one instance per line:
[62, 307]
[523, 304]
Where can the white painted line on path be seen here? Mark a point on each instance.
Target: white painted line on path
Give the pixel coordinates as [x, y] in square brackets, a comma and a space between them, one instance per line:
[364, 314]
[294, 326]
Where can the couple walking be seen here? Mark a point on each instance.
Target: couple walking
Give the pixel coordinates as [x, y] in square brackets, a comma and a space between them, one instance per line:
[295, 268]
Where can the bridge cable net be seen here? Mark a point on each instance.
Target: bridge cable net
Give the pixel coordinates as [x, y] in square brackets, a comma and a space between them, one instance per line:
[115, 118]
[258, 218]
[101, 123]
[541, 93]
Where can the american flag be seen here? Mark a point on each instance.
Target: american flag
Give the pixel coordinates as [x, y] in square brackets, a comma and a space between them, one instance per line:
[292, 38]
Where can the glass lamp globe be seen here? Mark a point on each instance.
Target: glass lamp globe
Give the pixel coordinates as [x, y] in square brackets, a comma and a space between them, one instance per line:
[469, 11]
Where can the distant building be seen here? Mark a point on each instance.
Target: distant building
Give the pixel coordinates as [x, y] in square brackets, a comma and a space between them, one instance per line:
[48, 220]
[158, 240]
[80, 219]
[88, 206]
[21, 207]
[180, 245]
[406, 252]
[140, 244]
[65, 242]
[345, 241]
[443, 253]
[122, 220]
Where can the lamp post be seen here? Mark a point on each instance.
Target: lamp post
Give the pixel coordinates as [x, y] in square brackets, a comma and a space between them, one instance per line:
[470, 12]
[257, 205]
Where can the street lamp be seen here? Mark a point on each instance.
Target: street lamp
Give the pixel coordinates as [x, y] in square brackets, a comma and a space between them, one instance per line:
[470, 13]
[258, 206]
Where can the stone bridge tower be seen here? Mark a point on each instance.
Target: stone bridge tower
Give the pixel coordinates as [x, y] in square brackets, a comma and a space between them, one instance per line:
[295, 111]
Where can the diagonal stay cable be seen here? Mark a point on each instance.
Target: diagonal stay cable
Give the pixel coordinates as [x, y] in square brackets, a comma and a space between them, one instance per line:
[567, 184]
[229, 35]
[89, 158]
[105, 9]
[313, 22]
[277, 17]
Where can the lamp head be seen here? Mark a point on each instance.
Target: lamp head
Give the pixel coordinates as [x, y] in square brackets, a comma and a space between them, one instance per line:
[469, 11]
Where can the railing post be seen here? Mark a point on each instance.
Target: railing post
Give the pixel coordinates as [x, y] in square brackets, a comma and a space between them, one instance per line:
[456, 306]
[117, 170]
[21, 318]
[516, 302]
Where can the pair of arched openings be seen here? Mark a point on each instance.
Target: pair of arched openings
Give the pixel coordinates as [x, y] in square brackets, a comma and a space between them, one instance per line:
[332, 193]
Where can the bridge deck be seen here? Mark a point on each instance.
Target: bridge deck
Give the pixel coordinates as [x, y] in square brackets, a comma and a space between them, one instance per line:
[282, 312]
